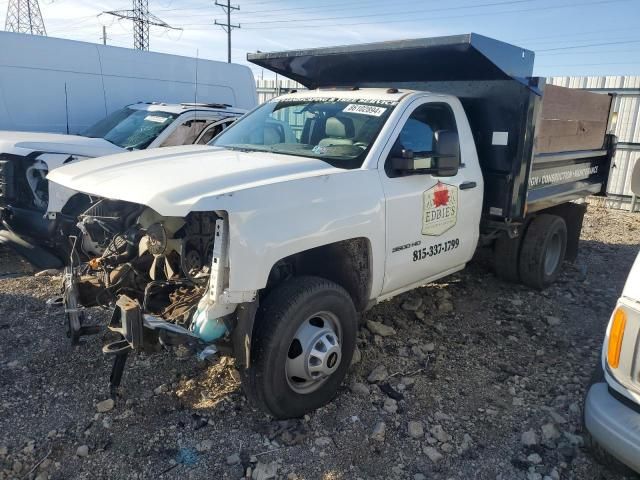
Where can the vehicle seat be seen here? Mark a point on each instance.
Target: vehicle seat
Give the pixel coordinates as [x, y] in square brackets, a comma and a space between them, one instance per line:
[272, 135]
[338, 131]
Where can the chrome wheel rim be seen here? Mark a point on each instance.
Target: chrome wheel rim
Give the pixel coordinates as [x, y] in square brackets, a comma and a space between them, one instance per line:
[314, 353]
[553, 254]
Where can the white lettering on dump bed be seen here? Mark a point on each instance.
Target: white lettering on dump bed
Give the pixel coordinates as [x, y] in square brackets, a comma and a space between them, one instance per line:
[559, 177]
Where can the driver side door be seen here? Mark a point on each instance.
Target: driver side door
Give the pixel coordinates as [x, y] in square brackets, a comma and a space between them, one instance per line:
[432, 222]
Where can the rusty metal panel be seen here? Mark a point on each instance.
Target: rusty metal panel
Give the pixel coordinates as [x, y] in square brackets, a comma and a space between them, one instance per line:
[626, 103]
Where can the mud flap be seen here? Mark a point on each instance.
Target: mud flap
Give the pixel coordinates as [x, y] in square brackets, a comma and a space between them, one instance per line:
[242, 333]
[573, 215]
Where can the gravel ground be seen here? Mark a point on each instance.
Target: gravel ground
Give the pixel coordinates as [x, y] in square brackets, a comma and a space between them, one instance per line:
[476, 378]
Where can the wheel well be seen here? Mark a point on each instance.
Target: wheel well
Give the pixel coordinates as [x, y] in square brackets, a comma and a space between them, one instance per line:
[572, 214]
[76, 204]
[347, 263]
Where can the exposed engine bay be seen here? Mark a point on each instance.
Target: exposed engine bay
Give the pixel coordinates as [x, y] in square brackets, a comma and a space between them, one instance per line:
[128, 254]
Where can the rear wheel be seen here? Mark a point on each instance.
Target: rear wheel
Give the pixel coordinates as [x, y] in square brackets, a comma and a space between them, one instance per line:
[542, 252]
[302, 347]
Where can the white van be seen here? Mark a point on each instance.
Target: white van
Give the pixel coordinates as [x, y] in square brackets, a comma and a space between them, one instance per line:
[64, 86]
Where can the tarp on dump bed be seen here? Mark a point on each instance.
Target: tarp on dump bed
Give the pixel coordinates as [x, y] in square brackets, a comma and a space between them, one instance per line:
[457, 57]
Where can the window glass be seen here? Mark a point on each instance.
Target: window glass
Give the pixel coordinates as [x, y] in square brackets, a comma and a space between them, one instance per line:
[416, 135]
[339, 132]
[418, 132]
[213, 131]
[131, 128]
[186, 133]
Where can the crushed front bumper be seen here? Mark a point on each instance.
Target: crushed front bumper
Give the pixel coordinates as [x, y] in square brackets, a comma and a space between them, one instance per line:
[614, 425]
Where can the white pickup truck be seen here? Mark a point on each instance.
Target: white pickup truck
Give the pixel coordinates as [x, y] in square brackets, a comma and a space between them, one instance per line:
[27, 157]
[318, 204]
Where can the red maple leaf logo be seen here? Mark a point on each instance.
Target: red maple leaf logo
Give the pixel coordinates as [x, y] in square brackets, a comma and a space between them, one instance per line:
[440, 196]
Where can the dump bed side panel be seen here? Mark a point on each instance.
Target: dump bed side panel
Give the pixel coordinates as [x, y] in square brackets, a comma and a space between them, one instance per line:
[572, 154]
[571, 120]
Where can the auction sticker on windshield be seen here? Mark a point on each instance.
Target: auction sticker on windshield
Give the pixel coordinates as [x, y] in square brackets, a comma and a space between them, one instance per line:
[439, 209]
[364, 109]
[156, 118]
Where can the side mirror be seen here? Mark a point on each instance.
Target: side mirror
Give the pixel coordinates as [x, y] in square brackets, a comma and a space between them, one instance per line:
[447, 153]
[444, 161]
[406, 161]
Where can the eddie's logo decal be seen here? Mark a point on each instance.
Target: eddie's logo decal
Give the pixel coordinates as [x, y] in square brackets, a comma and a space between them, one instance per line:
[439, 209]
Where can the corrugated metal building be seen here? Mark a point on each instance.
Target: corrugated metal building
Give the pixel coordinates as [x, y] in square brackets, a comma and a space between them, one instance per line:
[270, 88]
[626, 102]
[626, 91]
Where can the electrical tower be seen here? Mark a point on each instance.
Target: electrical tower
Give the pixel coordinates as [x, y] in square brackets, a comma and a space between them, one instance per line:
[227, 27]
[142, 19]
[24, 16]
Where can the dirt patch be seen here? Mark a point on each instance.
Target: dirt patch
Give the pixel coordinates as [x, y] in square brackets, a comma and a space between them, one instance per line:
[483, 380]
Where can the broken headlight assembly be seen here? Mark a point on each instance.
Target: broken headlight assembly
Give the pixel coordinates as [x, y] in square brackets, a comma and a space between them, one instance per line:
[155, 272]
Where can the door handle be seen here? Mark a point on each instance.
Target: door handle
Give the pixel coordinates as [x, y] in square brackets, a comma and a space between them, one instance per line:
[468, 185]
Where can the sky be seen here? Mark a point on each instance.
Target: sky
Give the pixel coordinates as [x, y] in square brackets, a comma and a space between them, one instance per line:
[570, 37]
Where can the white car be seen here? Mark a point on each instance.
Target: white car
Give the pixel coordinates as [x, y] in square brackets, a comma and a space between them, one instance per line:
[612, 406]
[42, 213]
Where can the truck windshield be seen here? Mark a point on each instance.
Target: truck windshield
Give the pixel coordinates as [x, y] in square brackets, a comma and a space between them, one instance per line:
[339, 132]
[131, 128]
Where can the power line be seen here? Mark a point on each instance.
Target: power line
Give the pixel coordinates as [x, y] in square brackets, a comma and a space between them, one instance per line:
[395, 12]
[569, 34]
[278, 11]
[545, 55]
[24, 16]
[142, 19]
[227, 27]
[587, 64]
[302, 25]
[589, 45]
[406, 12]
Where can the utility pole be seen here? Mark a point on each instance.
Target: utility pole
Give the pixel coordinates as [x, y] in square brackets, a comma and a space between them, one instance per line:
[24, 16]
[227, 27]
[104, 34]
[141, 20]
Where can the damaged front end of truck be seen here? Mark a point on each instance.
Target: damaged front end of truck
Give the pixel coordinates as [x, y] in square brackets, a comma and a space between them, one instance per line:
[162, 276]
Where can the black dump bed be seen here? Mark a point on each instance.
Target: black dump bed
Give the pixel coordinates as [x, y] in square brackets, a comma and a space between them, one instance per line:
[538, 145]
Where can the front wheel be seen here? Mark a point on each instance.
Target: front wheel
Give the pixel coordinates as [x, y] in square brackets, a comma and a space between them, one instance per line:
[302, 347]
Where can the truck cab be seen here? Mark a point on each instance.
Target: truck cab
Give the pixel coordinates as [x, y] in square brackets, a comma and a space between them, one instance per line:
[267, 244]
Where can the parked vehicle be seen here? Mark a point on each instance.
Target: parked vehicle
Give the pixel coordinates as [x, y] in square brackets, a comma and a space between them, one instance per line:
[54, 85]
[612, 405]
[401, 159]
[36, 212]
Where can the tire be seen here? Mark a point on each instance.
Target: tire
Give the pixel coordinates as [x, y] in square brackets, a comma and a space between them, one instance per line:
[542, 252]
[506, 258]
[300, 308]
